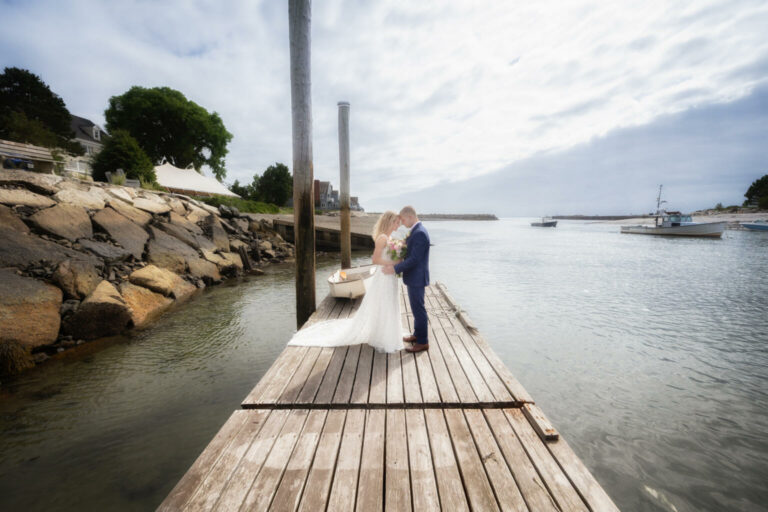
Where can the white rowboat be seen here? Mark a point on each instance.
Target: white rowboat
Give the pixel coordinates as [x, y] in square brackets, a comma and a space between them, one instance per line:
[350, 283]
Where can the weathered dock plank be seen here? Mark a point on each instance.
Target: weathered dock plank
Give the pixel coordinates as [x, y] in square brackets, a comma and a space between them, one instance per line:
[348, 428]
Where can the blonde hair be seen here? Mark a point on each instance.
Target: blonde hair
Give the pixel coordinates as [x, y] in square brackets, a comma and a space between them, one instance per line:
[382, 225]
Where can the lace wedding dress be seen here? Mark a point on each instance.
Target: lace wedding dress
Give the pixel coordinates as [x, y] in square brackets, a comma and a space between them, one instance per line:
[377, 321]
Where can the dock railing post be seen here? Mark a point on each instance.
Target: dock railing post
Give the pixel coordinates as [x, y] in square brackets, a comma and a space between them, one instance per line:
[299, 33]
[346, 234]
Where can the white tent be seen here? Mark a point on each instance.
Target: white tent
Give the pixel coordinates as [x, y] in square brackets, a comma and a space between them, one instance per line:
[189, 181]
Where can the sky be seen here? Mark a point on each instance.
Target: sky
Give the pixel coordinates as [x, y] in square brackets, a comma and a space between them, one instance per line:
[513, 108]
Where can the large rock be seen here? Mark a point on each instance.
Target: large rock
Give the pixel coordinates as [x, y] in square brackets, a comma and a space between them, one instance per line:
[9, 220]
[139, 217]
[176, 205]
[216, 233]
[23, 197]
[84, 198]
[65, 221]
[108, 252]
[150, 205]
[241, 224]
[121, 193]
[196, 214]
[205, 270]
[29, 310]
[145, 304]
[180, 221]
[182, 234]
[169, 252]
[123, 231]
[102, 313]
[231, 264]
[36, 182]
[162, 281]
[21, 250]
[78, 279]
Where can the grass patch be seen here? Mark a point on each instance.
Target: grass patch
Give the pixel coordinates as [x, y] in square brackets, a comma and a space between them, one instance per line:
[244, 205]
[151, 185]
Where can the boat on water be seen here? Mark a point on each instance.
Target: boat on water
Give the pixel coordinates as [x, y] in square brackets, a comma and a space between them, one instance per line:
[546, 222]
[350, 283]
[675, 224]
[758, 225]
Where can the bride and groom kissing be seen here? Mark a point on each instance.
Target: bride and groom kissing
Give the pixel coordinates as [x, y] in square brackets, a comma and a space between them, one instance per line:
[377, 322]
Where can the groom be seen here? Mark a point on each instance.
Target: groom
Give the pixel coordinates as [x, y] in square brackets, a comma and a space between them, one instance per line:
[415, 270]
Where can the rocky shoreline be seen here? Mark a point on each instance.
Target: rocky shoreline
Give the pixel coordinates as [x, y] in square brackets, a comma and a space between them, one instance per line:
[81, 261]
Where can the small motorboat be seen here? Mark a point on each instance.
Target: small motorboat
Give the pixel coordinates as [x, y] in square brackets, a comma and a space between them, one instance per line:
[758, 225]
[350, 283]
[676, 224]
[546, 222]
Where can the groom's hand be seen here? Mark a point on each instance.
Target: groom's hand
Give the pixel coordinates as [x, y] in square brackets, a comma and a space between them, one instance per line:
[388, 269]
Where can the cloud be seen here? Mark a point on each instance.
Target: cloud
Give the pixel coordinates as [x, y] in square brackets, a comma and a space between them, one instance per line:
[440, 91]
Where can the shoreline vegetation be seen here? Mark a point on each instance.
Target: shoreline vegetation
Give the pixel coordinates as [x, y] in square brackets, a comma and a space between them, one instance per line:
[81, 261]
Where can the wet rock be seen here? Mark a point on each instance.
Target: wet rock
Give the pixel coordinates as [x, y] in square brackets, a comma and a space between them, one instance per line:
[68, 307]
[205, 270]
[213, 257]
[140, 217]
[241, 224]
[232, 264]
[162, 281]
[23, 197]
[76, 278]
[103, 313]
[122, 230]
[169, 252]
[9, 220]
[23, 250]
[145, 304]
[214, 231]
[108, 252]
[83, 198]
[151, 205]
[40, 357]
[264, 245]
[235, 245]
[14, 359]
[29, 310]
[269, 254]
[65, 221]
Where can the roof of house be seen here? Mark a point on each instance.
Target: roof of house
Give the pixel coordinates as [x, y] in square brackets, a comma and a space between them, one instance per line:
[170, 176]
[26, 151]
[83, 129]
[324, 187]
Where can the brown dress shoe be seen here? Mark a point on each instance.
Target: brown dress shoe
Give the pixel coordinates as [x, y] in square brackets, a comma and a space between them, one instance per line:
[417, 347]
[409, 339]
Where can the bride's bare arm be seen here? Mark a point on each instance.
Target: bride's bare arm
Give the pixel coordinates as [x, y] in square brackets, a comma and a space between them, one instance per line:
[378, 251]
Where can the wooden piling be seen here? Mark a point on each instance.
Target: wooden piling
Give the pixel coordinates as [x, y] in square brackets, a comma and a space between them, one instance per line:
[346, 236]
[299, 23]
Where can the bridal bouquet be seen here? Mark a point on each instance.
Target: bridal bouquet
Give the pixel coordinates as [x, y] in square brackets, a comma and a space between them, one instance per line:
[397, 249]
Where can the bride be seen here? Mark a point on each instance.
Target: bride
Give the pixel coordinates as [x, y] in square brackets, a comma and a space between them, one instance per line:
[377, 321]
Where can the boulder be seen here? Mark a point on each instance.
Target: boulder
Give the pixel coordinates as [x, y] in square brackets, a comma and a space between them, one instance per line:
[76, 278]
[120, 193]
[100, 193]
[23, 197]
[145, 304]
[235, 245]
[196, 214]
[29, 310]
[102, 313]
[36, 182]
[8, 219]
[210, 209]
[162, 281]
[241, 224]
[180, 233]
[126, 210]
[150, 205]
[205, 270]
[214, 231]
[232, 263]
[213, 257]
[65, 221]
[21, 250]
[264, 245]
[122, 230]
[108, 252]
[14, 358]
[169, 252]
[86, 199]
[176, 205]
[180, 221]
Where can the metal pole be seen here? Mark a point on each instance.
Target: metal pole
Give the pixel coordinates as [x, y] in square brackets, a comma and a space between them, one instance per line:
[346, 234]
[299, 24]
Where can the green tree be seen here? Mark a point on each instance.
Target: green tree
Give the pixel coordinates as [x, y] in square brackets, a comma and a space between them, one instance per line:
[167, 124]
[276, 185]
[758, 191]
[121, 151]
[30, 112]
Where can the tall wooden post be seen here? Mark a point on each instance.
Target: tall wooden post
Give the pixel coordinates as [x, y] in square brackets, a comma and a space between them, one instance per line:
[346, 234]
[299, 33]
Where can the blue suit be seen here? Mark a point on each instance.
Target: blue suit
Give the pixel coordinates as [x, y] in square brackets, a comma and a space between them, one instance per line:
[415, 270]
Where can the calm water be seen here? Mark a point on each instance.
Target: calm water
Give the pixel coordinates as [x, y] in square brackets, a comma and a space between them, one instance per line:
[649, 355]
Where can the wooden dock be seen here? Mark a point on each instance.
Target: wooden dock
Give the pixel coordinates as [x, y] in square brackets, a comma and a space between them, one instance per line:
[348, 428]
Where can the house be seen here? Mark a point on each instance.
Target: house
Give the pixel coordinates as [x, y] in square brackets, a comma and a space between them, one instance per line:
[323, 195]
[354, 204]
[92, 138]
[17, 155]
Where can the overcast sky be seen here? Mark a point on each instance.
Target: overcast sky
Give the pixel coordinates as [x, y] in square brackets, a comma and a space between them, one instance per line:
[511, 107]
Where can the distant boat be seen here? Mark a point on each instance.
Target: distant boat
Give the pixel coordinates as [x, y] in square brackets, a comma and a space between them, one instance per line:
[676, 224]
[758, 225]
[546, 222]
[350, 283]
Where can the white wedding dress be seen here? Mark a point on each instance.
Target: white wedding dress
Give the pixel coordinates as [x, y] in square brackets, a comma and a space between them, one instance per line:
[377, 321]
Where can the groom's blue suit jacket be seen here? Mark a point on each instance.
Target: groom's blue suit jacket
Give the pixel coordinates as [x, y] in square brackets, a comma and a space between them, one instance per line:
[415, 266]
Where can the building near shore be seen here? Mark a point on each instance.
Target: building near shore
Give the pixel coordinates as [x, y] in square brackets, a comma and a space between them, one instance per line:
[17, 155]
[92, 137]
[189, 182]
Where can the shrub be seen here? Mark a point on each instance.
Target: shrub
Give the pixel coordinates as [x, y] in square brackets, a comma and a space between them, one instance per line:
[121, 151]
[244, 205]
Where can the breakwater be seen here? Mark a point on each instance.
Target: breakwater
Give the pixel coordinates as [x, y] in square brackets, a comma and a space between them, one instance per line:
[81, 261]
